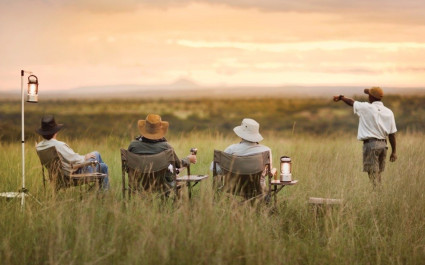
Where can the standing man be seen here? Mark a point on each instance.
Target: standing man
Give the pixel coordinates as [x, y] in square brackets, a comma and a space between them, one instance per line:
[376, 122]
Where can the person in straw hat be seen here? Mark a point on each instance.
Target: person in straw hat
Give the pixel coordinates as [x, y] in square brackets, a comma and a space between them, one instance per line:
[49, 130]
[152, 141]
[249, 132]
[376, 123]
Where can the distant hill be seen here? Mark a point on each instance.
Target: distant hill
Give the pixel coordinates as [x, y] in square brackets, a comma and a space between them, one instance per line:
[185, 88]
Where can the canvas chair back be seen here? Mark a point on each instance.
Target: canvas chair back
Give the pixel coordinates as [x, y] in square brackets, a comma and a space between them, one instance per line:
[52, 160]
[240, 174]
[147, 172]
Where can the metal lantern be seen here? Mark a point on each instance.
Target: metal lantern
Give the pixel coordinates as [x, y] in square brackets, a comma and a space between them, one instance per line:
[285, 168]
[32, 95]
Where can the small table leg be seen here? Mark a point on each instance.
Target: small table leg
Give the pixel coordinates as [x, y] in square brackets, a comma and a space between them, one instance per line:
[189, 187]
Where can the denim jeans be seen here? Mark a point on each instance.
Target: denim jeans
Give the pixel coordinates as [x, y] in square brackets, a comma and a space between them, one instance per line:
[103, 169]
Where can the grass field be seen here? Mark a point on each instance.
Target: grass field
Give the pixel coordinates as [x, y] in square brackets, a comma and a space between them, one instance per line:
[371, 227]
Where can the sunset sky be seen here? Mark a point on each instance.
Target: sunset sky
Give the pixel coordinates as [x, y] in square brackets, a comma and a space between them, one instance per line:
[75, 43]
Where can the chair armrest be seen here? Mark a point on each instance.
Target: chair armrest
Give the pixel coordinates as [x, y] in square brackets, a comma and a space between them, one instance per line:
[87, 163]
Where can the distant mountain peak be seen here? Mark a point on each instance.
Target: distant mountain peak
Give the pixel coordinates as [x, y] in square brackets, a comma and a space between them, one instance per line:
[184, 83]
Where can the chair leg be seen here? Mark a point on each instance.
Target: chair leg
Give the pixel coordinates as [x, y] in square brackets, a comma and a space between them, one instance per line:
[81, 192]
[99, 183]
[189, 190]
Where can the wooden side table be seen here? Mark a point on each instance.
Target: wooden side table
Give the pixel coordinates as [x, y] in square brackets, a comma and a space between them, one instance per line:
[276, 186]
[189, 179]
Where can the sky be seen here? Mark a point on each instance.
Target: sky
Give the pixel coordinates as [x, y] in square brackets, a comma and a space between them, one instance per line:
[80, 43]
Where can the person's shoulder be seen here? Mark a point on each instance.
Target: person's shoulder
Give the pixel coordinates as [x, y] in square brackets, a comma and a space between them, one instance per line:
[54, 142]
[61, 143]
[58, 142]
[233, 145]
[40, 144]
[230, 148]
[164, 145]
[264, 148]
[134, 142]
[388, 110]
[361, 104]
[361, 107]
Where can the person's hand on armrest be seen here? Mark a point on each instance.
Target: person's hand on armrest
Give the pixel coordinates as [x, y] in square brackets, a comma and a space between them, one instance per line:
[89, 156]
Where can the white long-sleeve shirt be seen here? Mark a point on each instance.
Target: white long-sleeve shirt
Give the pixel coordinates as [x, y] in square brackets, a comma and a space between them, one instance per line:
[69, 156]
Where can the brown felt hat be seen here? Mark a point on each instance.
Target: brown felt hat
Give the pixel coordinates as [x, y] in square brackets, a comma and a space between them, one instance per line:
[375, 92]
[153, 127]
[48, 125]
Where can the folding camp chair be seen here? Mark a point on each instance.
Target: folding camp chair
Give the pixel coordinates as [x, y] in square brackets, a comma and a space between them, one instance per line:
[148, 172]
[240, 175]
[62, 175]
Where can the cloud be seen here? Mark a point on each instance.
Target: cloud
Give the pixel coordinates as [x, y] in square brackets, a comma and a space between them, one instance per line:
[406, 11]
[321, 6]
[410, 9]
[410, 69]
[301, 46]
[410, 12]
[103, 6]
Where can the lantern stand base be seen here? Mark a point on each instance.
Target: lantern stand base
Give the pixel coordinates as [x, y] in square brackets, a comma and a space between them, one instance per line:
[23, 192]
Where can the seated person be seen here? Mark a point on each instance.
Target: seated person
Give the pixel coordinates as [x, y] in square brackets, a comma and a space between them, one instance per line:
[152, 141]
[248, 131]
[49, 130]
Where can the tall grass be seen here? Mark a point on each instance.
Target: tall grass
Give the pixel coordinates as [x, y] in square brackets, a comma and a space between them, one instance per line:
[386, 226]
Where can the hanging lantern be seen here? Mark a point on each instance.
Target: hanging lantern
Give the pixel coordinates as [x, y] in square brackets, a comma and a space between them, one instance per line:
[285, 168]
[32, 95]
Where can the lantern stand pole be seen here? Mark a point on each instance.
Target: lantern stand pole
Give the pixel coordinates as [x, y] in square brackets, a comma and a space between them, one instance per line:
[23, 192]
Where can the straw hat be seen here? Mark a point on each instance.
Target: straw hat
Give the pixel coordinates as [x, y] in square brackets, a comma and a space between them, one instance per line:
[153, 127]
[48, 126]
[375, 92]
[249, 130]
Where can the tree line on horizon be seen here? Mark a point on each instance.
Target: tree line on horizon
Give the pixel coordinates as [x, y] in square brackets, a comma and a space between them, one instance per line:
[96, 118]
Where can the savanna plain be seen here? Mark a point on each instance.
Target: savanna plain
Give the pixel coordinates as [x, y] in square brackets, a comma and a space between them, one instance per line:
[382, 226]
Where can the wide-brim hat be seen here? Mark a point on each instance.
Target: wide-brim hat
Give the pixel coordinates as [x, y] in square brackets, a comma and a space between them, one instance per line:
[375, 92]
[153, 127]
[249, 130]
[49, 126]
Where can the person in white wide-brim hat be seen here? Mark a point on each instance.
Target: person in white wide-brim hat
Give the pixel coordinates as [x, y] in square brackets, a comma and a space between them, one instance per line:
[249, 132]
